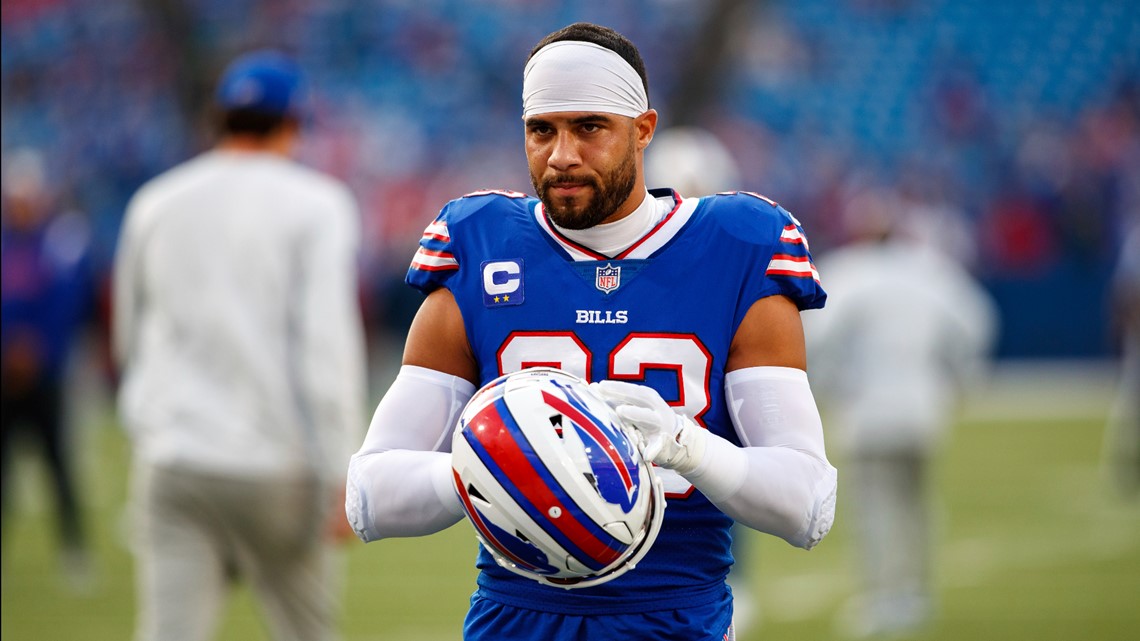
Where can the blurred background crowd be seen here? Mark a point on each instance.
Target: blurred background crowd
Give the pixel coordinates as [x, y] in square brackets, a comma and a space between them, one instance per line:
[1009, 130]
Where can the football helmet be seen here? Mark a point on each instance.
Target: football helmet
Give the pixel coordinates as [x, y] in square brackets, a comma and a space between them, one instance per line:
[554, 484]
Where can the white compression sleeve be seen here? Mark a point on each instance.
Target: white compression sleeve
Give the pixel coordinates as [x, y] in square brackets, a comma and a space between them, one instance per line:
[399, 482]
[780, 482]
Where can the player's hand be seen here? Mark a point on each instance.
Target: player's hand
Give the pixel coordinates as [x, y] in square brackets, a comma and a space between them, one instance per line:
[337, 527]
[669, 439]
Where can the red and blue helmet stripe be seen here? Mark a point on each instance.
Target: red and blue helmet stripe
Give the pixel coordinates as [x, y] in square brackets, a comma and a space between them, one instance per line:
[500, 444]
[612, 457]
[522, 554]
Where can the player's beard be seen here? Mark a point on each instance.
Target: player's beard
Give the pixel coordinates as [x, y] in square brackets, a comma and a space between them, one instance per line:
[609, 193]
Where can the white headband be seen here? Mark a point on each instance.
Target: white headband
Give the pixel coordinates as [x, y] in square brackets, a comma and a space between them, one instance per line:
[570, 75]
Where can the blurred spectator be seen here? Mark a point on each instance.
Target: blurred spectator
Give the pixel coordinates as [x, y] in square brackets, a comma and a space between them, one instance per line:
[691, 160]
[1122, 445]
[46, 297]
[237, 323]
[906, 328]
[840, 90]
[929, 215]
[1020, 238]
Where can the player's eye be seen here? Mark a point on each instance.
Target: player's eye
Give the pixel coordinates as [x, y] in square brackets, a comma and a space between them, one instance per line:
[539, 129]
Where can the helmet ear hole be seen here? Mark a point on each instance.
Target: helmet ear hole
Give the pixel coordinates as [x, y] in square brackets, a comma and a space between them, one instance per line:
[572, 506]
[473, 492]
[556, 423]
[593, 481]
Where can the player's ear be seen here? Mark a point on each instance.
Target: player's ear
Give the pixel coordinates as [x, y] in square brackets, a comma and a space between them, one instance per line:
[646, 125]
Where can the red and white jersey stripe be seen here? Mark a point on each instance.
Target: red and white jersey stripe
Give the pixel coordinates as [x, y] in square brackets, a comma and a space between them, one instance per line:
[433, 261]
[789, 265]
[793, 235]
[437, 231]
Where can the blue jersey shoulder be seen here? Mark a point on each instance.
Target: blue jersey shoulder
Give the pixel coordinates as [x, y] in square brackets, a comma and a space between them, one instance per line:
[750, 217]
[438, 257]
[484, 203]
[778, 239]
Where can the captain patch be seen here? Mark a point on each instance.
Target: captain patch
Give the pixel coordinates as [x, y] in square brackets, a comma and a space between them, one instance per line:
[502, 282]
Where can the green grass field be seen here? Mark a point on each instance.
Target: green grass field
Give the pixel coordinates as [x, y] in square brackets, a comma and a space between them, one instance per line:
[1035, 545]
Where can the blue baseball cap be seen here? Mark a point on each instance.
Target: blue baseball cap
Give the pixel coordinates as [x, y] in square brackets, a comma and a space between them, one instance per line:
[265, 81]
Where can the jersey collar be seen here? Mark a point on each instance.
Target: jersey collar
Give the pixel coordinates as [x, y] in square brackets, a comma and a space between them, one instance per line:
[672, 210]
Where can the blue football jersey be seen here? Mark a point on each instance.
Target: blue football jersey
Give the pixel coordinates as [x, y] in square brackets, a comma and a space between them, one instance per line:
[662, 313]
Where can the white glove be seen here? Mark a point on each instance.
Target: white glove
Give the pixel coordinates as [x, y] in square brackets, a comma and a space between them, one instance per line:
[669, 439]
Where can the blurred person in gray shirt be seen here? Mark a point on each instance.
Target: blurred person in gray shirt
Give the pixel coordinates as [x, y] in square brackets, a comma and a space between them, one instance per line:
[238, 328]
[1122, 442]
[907, 329]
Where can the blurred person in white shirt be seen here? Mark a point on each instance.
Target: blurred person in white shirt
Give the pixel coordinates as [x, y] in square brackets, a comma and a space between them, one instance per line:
[1122, 442]
[239, 332]
[907, 329]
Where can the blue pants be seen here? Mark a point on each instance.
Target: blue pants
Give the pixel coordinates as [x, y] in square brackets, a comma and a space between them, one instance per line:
[489, 620]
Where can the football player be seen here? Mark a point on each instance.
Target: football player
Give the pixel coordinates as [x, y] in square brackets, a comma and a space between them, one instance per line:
[684, 311]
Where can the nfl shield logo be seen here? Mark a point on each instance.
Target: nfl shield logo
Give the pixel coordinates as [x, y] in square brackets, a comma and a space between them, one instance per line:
[609, 278]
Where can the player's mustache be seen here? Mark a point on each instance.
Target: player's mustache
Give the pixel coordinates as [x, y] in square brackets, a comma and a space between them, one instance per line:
[569, 180]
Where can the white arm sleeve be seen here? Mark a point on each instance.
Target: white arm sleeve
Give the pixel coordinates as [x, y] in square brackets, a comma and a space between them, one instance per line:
[780, 482]
[399, 482]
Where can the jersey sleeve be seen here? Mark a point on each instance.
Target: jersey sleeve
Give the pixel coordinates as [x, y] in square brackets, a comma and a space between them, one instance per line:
[434, 261]
[790, 266]
[779, 258]
[479, 216]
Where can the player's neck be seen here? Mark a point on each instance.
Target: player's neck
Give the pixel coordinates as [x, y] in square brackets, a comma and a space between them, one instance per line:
[611, 238]
[281, 143]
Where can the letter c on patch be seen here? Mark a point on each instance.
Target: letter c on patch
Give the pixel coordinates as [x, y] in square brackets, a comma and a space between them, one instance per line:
[502, 282]
[501, 277]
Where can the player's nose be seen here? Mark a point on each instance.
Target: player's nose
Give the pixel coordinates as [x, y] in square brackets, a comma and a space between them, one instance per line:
[564, 152]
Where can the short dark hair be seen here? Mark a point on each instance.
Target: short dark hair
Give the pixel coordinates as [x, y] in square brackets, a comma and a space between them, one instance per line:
[603, 37]
[251, 122]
